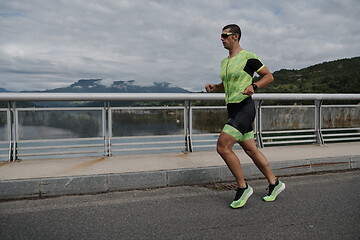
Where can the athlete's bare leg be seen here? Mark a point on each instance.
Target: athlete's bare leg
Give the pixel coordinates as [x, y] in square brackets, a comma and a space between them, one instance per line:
[224, 148]
[258, 158]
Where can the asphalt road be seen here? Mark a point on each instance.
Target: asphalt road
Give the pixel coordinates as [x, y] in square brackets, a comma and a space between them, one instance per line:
[323, 206]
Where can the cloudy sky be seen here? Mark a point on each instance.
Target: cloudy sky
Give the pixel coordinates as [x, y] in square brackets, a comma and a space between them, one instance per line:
[46, 44]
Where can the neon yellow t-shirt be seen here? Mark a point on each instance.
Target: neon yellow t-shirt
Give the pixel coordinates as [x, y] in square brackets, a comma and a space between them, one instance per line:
[237, 73]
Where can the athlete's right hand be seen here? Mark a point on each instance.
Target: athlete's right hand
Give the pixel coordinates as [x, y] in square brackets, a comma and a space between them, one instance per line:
[210, 87]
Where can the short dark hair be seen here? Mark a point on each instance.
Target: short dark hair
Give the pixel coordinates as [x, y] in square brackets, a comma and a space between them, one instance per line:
[234, 29]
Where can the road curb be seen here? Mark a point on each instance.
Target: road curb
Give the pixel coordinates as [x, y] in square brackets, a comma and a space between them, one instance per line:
[101, 183]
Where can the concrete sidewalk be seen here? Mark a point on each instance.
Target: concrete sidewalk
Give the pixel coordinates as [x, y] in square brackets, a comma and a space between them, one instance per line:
[54, 177]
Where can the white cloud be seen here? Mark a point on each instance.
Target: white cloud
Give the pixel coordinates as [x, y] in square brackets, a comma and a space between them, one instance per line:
[107, 82]
[47, 44]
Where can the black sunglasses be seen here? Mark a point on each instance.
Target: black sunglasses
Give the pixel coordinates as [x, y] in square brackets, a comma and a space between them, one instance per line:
[225, 35]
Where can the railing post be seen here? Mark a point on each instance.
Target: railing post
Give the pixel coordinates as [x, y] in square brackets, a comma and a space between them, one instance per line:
[109, 129]
[9, 131]
[13, 127]
[188, 126]
[258, 124]
[318, 119]
[104, 122]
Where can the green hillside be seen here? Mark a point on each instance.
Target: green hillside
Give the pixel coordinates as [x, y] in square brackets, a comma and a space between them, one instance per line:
[340, 76]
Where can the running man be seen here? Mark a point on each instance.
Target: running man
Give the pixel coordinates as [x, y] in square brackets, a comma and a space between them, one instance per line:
[237, 72]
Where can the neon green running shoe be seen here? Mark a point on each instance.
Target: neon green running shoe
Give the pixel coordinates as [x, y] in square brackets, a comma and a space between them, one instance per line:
[274, 191]
[242, 195]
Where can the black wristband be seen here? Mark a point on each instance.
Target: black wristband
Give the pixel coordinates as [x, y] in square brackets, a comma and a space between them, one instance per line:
[254, 86]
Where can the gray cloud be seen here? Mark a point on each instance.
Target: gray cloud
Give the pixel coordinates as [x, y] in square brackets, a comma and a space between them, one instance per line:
[47, 44]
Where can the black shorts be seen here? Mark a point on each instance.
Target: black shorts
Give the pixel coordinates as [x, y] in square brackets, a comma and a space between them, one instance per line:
[242, 115]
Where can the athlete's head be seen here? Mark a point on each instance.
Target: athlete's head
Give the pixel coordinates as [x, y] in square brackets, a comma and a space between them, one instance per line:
[234, 29]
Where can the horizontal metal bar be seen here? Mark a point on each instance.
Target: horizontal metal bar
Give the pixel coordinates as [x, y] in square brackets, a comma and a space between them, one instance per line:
[340, 134]
[208, 107]
[147, 108]
[203, 141]
[144, 149]
[288, 106]
[288, 131]
[340, 139]
[289, 137]
[144, 143]
[213, 146]
[337, 106]
[61, 109]
[56, 153]
[307, 96]
[153, 136]
[166, 96]
[108, 96]
[61, 140]
[340, 129]
[203, 146]
[288, 142]
[205, 134]
[308, 106]
[60, 147]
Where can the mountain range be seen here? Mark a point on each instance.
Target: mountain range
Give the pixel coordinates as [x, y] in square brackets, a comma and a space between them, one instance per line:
[97, 86]
[4, 90]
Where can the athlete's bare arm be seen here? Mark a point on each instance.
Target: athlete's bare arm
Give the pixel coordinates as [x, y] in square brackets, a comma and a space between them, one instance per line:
[215, 88]
[266, 79]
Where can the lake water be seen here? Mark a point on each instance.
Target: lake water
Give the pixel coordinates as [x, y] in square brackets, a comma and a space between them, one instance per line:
[149, 127]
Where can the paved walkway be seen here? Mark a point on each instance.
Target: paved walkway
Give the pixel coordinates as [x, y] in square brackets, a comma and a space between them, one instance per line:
[52, 177]
[303, 211]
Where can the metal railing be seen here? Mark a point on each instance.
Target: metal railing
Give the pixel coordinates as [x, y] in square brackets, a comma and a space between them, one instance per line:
[28, 132]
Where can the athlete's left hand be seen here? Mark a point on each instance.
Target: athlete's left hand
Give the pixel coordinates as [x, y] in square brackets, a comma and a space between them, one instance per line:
[249, 90]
